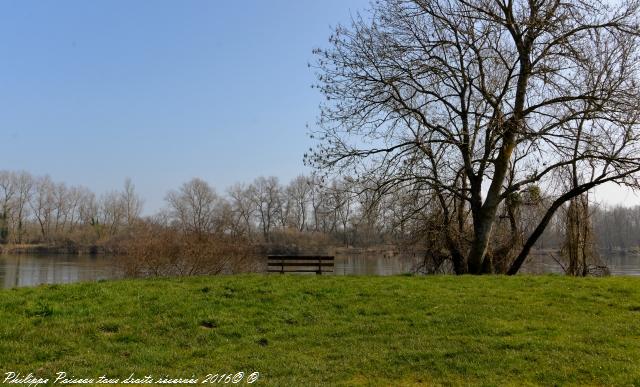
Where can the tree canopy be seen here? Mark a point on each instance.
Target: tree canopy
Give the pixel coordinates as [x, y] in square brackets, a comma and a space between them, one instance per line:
[477, 107]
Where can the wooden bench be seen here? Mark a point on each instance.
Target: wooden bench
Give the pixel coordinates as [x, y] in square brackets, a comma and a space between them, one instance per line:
[300, 264]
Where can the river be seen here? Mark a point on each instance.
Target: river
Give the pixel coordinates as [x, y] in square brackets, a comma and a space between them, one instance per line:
[31, 270]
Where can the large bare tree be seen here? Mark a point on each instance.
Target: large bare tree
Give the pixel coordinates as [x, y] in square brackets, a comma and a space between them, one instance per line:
[132, 203]
[473, 102]
[194, 207]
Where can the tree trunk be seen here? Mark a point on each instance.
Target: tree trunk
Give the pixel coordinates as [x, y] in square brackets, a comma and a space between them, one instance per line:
[484, 216]
[482, 232]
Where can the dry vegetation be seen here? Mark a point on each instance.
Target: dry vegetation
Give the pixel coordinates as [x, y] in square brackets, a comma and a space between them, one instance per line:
[202, 232]
[153, 250]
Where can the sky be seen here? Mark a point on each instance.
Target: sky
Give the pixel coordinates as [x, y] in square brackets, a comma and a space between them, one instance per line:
[93, 92]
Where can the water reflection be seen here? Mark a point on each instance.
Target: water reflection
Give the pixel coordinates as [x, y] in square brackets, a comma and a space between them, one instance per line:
[621, 264]
[31, 270]
[369, 264]
[618, 264]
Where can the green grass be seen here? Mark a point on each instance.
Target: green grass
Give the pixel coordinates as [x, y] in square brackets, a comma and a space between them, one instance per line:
[311, 330]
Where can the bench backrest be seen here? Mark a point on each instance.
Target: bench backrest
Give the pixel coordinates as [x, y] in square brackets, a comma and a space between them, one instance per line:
[300, 263]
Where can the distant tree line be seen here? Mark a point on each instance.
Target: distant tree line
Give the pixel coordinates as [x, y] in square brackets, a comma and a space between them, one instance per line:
[39, 210]
[617, 228]
[267, 211]
[306, 210]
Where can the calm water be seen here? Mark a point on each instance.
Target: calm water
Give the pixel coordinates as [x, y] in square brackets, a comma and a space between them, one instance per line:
[618, 264]
[31, 270]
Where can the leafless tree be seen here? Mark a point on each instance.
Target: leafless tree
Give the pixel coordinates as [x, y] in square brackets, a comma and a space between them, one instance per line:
[24, 187]
[76, 196]
[343, 201]
[132, 203]
[472, 101]
[88, 209]
[266, 196]
[243, 209]
[285, 206]
[7, 193]
[111, 213]
[299, 193]
[194, 207]
[617, 228]
[61, 208]
[319, 202]
[42, 204]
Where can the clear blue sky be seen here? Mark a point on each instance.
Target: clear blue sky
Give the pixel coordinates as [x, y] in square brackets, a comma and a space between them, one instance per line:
[92, 92]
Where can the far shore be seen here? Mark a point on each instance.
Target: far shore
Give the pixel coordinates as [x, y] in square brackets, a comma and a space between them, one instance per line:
[52, 249]
[72, 248]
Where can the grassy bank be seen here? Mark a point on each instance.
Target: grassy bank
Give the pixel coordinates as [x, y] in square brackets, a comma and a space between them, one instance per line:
[308, 330]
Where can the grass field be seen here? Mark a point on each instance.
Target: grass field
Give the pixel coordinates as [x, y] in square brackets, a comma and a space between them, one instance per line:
[324, 330]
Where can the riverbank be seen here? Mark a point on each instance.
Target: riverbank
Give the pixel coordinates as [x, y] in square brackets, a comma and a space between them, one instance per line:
[69, 248]
[312, 330]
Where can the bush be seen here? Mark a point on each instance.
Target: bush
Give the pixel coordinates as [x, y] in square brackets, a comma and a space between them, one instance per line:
[156, 250]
